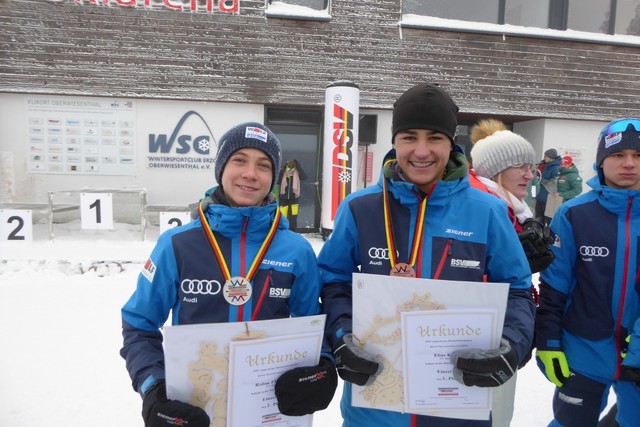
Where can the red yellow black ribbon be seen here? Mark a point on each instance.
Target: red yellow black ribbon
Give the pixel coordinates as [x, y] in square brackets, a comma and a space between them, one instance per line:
[218, 252]
[388, 226]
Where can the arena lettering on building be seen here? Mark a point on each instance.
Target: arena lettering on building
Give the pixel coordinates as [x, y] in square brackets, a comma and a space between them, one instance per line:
[225, 6]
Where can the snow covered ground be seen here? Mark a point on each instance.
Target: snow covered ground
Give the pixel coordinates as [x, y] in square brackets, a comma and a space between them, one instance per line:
[60, 333]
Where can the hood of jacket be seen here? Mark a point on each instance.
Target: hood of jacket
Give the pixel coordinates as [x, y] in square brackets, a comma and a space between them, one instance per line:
[230, 221]
[455, 179]
[615, 200]
[570, 170]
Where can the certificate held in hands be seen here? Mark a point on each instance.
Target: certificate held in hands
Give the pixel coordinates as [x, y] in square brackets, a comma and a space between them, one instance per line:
[439, 316]
[226, 368]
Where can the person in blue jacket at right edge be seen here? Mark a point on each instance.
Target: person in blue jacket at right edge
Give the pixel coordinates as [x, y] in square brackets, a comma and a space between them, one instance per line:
[460, 222]
[588, 332]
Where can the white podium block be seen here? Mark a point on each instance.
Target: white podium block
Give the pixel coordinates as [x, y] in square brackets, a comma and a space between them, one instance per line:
[173, 219]
[16, 225]
[96, 211]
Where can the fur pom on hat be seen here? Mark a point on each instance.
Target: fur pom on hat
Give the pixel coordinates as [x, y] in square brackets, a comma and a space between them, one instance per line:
[496, 149]
[248, 135]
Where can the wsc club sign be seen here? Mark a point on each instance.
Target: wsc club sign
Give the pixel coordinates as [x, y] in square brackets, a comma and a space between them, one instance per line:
[185, 148]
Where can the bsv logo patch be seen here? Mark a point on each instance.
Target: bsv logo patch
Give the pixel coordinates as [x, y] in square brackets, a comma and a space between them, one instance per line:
[279, 292]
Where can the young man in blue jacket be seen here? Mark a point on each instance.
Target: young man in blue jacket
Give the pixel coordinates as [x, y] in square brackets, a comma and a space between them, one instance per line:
[238, 232]
[460, 223]
[590, 294]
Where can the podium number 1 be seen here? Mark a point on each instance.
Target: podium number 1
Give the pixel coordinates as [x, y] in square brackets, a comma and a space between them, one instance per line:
[96, 211]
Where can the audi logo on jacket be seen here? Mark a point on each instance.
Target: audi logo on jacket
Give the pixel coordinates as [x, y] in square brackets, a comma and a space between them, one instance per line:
[183, 279]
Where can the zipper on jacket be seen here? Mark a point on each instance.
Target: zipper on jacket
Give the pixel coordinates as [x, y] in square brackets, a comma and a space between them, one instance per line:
[265, 287]
[445, 254]
[623, 292]
[243, 267]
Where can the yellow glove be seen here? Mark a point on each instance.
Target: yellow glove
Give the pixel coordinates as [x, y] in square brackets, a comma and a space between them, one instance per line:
[623, 353]
[555, 366]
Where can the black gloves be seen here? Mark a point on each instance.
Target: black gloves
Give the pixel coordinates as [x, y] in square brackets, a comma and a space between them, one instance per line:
[485, 368]
[535, 243]
[355, 365]
[630, 374]
[303, 391]
[157, 411]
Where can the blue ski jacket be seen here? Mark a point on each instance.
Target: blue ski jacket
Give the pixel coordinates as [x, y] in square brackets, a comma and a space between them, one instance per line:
[590, 294]
[183, 277]
[462, 224]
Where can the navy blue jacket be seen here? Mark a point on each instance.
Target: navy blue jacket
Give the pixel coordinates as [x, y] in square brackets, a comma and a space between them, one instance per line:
[590, 294]
[462, 223]
[182, 277]
[550, 172]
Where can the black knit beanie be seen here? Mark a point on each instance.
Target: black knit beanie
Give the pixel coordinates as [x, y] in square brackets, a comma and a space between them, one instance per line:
[248, 135]
[425, 106]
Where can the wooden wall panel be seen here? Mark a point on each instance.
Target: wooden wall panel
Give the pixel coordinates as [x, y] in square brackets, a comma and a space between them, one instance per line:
[67, 48]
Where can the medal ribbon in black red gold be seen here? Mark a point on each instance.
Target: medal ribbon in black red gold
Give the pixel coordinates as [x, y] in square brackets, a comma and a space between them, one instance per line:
[231, 281]
[417, 233]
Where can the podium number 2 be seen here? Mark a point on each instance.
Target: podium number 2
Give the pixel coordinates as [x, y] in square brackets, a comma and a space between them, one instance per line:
[16, 225]
[96, 211]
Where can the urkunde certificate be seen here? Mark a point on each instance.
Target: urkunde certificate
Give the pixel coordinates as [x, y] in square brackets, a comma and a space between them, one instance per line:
[254, 367]
[428, 338]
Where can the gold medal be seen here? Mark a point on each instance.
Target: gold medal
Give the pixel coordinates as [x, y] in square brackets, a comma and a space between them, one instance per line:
[237, 290]
[402, 269]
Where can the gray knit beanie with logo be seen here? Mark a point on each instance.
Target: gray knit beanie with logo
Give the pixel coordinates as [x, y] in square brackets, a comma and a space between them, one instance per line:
[499, 150]
[248, 135]
[425, 106]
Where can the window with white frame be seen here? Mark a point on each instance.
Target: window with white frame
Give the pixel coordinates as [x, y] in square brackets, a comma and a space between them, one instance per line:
[299, 9]
[595, 16]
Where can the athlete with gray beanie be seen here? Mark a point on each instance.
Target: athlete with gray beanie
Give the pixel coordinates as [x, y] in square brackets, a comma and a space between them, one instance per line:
[240, 240]
[588, 321]
[424, 186]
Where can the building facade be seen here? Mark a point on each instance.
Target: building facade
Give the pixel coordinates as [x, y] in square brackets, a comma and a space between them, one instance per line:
[134, 93]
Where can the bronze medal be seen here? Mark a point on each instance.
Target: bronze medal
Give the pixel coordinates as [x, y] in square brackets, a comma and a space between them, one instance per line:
[402, 269]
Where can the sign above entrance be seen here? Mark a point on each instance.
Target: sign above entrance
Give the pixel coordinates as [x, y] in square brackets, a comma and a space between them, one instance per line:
[226, 6]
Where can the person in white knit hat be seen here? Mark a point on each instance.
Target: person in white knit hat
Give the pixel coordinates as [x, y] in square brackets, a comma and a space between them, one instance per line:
[502, 165]
[503, 162]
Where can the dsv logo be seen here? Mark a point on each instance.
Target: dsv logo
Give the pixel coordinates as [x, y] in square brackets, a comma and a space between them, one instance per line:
[200, 287]
[600, 251]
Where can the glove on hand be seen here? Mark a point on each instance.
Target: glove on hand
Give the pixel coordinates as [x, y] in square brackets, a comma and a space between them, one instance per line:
[303, 391]
[555, 366]
[158, 411]
[630, 374]
[355, 365]
[535, 243]
[485, 368]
